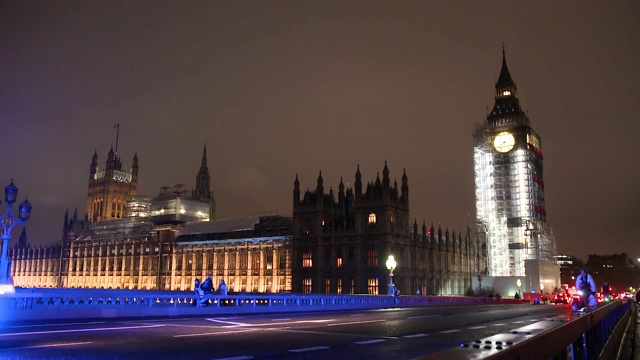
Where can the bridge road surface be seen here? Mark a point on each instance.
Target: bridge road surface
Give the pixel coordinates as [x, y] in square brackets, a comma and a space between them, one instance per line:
[361, 334]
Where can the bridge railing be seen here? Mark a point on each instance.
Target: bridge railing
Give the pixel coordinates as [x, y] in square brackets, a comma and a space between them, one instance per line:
[37, 304]
[578, 336]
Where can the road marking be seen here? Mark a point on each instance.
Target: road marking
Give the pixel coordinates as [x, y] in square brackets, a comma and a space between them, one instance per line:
[285, 319]
[81, 330]
[476, 327]
[309, 349]
[369, 341]
[499, 324]
[518, 322]
[214, 333]
[425, 316]
[227, 322]
[415, 335]
[236, 358]
[237, 324]
[55, 345]
[357, 322]
[449, 331]
[63, 324]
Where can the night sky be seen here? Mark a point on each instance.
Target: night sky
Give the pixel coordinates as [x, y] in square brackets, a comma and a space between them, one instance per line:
[279, 88]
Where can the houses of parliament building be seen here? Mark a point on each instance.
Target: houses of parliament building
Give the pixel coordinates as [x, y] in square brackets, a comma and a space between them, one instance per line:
[166, 242]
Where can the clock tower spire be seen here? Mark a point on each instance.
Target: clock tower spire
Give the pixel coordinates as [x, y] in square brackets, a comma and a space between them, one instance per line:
[506, 104]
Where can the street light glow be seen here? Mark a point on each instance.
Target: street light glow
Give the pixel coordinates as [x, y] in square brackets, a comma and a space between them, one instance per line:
[391, 263]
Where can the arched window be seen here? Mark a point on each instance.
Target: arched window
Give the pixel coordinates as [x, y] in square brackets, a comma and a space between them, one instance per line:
[372, 218]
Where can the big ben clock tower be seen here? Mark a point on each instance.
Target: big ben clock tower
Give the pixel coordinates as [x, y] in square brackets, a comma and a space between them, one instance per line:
[509, 189]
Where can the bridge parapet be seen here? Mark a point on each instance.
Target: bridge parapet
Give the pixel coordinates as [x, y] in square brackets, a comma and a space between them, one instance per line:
[39, 304]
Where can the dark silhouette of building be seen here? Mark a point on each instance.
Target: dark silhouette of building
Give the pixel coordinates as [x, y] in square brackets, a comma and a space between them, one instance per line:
[341, 245]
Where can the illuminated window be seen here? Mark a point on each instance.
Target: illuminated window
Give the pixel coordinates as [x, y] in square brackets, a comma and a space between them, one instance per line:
[392, 219]
[339, 262]
[372, 258]
[506, 93]
[339, 286]
[353, 286]
[269, 261]
[372, 286]
[306, 286]
[244, 260]
[306, 260]
[372, 218]
[327, 286]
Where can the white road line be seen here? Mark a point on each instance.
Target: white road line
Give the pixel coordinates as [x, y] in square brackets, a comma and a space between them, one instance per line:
[214, 333]
[55, 345]
[357, 322]
[309, 349]
[476, 327]
[415, 335]
[499, 324]
[236, 358]
[62, 324]
[81, 330]
[449, 331]
[227, 322]
[425, 316]
[369, 341]
[517, 322]
[236, 324]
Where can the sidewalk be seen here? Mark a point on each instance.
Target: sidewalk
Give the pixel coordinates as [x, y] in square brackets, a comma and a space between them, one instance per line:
[636, 336]
[630, 347]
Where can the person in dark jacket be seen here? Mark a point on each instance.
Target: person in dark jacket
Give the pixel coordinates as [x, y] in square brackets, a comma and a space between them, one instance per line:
[207, 285]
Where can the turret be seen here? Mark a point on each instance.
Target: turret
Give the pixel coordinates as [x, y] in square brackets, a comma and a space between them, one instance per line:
[386, 182]
[358, 186]
[320, 191]
[296, 193]
[134, 175]
[341, 195]
[111, 163]
[93, 170]
[405, 188]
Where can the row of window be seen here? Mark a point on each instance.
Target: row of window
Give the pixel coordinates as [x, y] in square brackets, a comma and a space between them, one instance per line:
[372, 286]
[372, 258]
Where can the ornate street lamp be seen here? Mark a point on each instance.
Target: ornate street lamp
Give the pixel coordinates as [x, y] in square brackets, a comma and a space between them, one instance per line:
[519, 284]
[8, 221]
[391, 265]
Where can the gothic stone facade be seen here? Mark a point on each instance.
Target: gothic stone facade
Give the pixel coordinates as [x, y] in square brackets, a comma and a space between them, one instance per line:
[341, 246]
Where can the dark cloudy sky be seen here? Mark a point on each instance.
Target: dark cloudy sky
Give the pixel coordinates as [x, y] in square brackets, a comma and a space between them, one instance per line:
[279, 88]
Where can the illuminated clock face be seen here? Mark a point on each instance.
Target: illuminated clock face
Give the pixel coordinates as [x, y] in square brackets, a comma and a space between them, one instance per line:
[504, 141]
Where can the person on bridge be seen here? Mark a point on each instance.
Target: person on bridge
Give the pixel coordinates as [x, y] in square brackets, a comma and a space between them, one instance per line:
[222, 288]
[207, 285]
[586, 287]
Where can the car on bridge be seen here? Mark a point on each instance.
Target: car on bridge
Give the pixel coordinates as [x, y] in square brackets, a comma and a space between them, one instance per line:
[561, 298]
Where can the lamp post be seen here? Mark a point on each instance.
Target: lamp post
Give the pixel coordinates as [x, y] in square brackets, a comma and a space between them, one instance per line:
[8, 221]
[391, 265]
[480, 284]
[519, 284]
